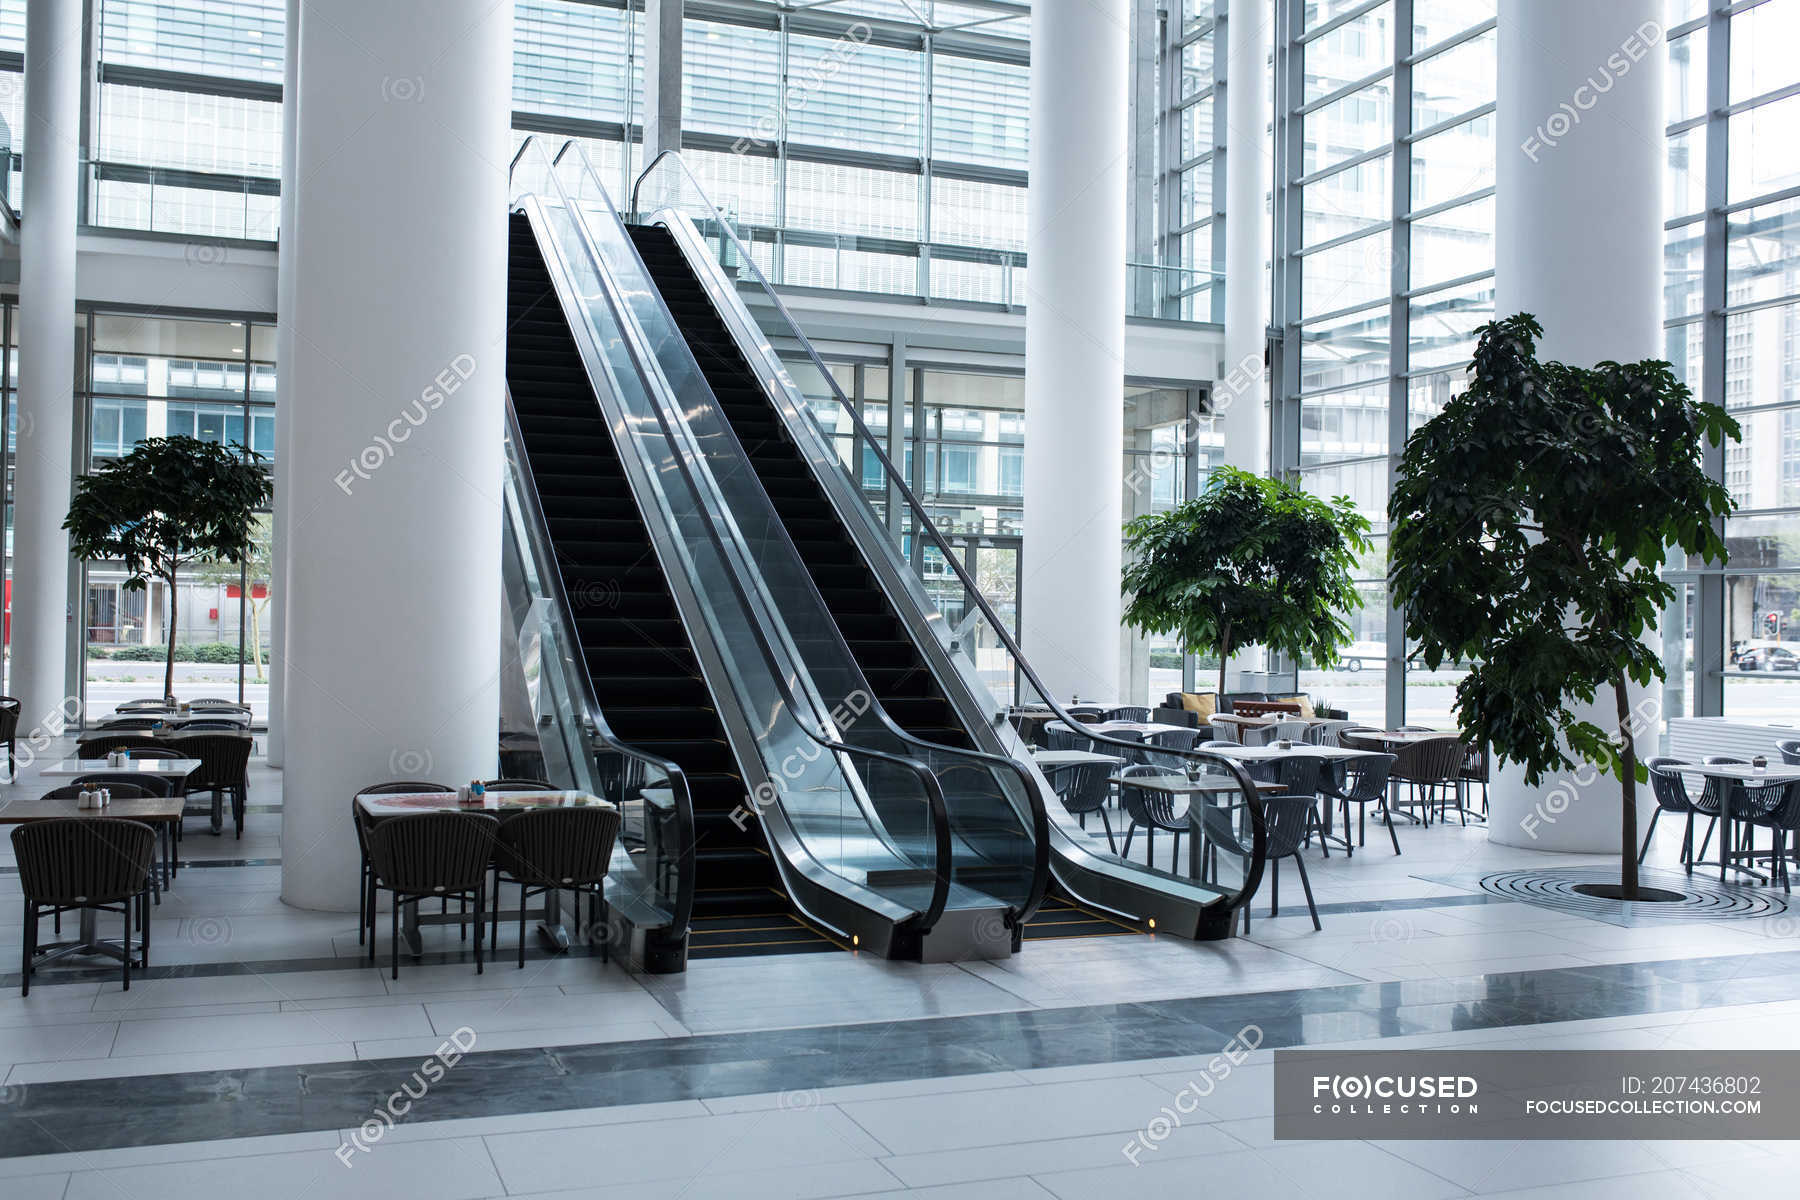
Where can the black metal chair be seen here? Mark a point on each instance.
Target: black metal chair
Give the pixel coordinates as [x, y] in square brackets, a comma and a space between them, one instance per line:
[9, 733]
[74, 863]
[1287, 819]
[1159, 749]
[365, 890]
[1783, 824]
[1740, 801]
[1672, 797]
[1431, 769]
[223, 773]
[1067, 739]
[557, 849]
[1152, 810]
[433, 855]
[1085, 788]
[1362, 781]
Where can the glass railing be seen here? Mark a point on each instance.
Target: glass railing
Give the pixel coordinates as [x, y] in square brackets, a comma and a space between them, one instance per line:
[997, 810]
[818, 797]
[880, 511]
[201, 204]
[651, 884]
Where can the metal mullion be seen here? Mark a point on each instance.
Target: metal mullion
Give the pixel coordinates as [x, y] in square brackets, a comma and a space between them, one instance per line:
[1193, 98]
[1342, 165]
[1302, 37]
[1775, 197]
[1461, 118]
[926, 84]
[1342, 239]
[1335, 314]
[1448, 284]
[1709, 619]
[1308, 107]
[1449, 43]
[1287, 231]
[1750, 306]
[1399, 328]
[1218, 163]
[1338, 389]
[1781, 93]
[778, 254]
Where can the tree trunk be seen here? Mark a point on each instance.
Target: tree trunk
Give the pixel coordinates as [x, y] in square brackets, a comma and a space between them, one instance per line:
[256, 639]
[169, 666]
[1224, 657]
[1628, 847]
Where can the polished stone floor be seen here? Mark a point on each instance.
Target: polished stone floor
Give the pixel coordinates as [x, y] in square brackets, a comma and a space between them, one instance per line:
[251, 1058]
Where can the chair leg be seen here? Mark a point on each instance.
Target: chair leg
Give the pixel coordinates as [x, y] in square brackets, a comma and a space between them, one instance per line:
[362, 901]
[524, 899]
[480, 902]
[1648, 834]
[1106, 824]
[1274, 887]
[394, 935]
[1306, 886]
[30, 948]
[125, 920]
[1129, 832]
[1392, 836]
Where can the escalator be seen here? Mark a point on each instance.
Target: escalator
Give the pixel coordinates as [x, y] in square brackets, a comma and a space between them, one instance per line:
[842, 502]
[811, 821]
[899, 675]
[645, 674]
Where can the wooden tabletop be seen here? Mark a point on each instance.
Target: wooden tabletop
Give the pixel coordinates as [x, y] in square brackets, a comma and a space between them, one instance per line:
[150, 808]
[1181, 785]
[397, 804]
[179, 768]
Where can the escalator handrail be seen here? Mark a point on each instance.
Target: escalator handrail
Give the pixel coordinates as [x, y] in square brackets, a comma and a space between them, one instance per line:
[940, 817]
[538, 545]
[1040, 819]
[922, 522]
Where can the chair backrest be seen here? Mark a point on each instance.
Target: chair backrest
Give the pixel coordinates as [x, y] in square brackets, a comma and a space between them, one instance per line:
[1298, 775]
[1218, 745]
[559, 847]
[73, 860]
[424, 853]
[520, 785]
[9, 718]
[1145, 807]
[224, 759]
[1083, 787]
[134, 722]
[1355, 737]
[153, 749]
[1174, 739]
[1067, 739]
[218, 704]
[1432, 760]
[121, 790]
[222, 724]
[1287, 818]
[1669, 788]
[1363, 779]
[1293, 731]
[1790, 752]
[400, 787]
[1129, 712]
[1256, 735]
[145, 704]
[147, 785]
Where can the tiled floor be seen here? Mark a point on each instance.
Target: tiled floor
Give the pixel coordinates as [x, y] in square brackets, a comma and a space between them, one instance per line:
[1016, 1078]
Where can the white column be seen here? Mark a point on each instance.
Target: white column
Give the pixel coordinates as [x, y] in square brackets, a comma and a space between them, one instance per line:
[1240, 393]
[1579, 243]
[662, 77]
[41, 620]
[397, 371]
[1075, 345]
[284, 391]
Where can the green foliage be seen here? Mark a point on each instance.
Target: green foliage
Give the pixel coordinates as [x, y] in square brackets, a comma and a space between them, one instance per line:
[1248, 562]
[194, 652]
[1530, 520]
[169, 503]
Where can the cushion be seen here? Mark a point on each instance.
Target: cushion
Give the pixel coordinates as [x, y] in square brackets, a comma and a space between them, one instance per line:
[1201, 704]
[1305, 703]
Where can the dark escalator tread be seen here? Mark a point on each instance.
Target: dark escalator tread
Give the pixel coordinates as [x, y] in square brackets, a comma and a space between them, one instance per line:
[645, 673]
[864, 616]
[1062, 918]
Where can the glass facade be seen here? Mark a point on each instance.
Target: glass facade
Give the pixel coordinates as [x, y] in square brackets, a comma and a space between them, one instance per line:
[1384, 265]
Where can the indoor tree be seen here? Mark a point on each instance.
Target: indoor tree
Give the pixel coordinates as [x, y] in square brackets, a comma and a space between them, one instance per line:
[1248, 562]
[170, 502]
[1530, 520]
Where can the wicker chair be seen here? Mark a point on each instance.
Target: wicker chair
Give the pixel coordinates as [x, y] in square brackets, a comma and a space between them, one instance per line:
[1734, 801]
[1154, 811]
[365, 880]
[1672, 797]
[1362, 781]
[73, 863]
[139, 722]
[1287, 819]
[557, 849]
[224, 772]
[217, 704]
[1129, 712]
[1161, 749]
[229, 722]
[520, 785]
[1085, 788]
[1476, 771]
[1357, 737]
[1431, 769]
[122, 787]
[1783, 824]
[433, 855]
[150, 704]
[9, 733]
[99, 745]
[1067, 739]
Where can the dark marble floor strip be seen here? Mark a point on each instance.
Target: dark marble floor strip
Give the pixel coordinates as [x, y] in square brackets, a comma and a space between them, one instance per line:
[202, 1105]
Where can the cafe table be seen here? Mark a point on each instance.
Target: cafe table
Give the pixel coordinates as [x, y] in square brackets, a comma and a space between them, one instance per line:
[1728, 774]
[1052, 759]
[399, 804]
[161, 813]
